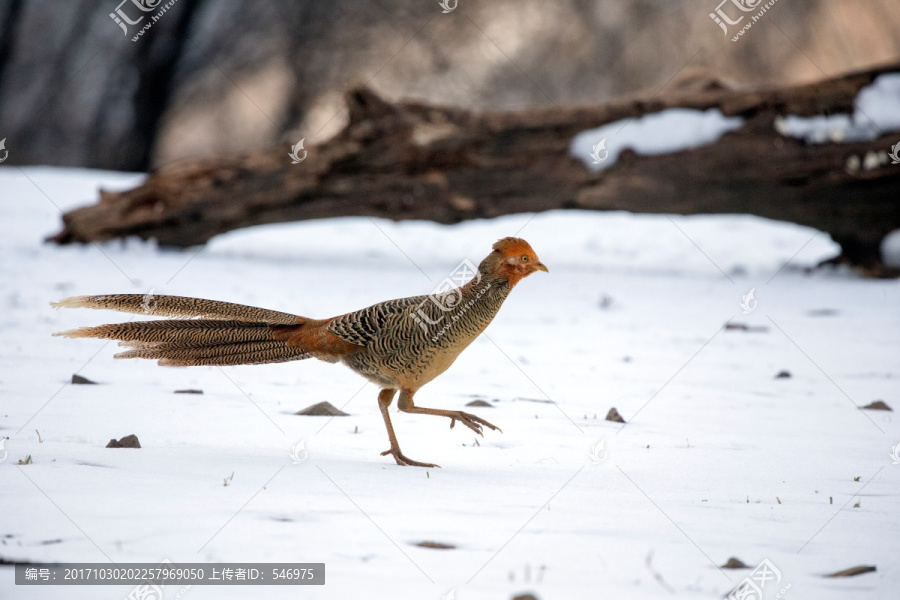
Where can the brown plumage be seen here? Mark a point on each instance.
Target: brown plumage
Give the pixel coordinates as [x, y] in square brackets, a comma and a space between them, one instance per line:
[398, 344]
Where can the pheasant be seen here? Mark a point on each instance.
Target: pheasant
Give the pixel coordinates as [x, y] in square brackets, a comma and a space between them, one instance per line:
[399, 344]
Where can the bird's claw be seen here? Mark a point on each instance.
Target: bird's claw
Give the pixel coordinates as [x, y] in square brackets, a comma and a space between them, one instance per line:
[472, 422]
[403, 461]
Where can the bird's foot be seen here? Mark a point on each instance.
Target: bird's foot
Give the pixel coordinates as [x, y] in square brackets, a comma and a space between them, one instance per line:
[471, 421]
[403, 461]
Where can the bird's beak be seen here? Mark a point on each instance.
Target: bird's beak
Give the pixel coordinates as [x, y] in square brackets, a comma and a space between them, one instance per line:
[542, 267]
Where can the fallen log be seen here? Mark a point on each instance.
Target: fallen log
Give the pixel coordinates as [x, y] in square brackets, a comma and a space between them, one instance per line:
[409, 160]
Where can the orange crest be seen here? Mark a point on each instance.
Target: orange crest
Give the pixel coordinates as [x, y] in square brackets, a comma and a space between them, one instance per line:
[514, 247]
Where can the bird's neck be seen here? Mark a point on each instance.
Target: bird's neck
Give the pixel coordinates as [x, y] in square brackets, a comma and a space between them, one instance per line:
[486, 295]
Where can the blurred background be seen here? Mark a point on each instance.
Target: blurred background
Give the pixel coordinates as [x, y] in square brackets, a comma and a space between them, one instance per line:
[218, 77]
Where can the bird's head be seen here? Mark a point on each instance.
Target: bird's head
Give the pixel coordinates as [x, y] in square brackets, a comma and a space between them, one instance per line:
[513, 260]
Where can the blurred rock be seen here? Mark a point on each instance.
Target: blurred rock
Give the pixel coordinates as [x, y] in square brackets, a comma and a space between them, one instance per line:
[435, 545]
[878, 405]
[613, 415]
[853, 571]
[322, 409]
[745, 327]
[734, 563]
[479, 403]
[129, 441]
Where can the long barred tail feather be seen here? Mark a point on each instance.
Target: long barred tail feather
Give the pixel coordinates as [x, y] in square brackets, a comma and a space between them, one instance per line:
[204, 332]
[247, 353]
[178, 307]
[194, 333]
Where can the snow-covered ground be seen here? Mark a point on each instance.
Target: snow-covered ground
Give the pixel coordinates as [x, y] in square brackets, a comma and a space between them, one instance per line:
[719, 457]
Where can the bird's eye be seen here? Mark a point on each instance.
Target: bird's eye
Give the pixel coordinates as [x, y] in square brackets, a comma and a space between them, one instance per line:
[524, 258]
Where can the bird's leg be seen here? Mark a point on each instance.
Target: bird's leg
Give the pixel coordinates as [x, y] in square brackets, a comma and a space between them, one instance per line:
[471, 421]
[385, 397]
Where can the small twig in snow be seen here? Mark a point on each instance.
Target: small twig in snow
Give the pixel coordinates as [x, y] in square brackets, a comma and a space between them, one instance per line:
[656, 574]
